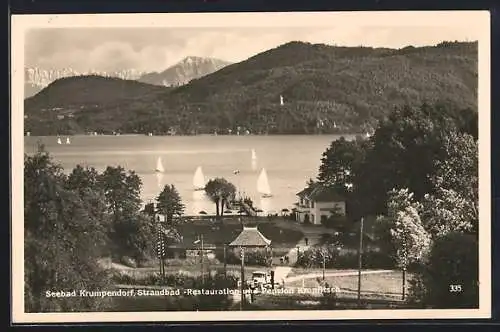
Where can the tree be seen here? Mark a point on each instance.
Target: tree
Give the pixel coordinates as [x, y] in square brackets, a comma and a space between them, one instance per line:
[85, 182]
[453, 205]
[340, 168]
[446, 211]
[122, 191]
[122, 196]
[450, 279]
[83, 178]
[458, 169]
[63, 240]
[220, 191]
[408, 236]
[406, 147]
[135, 236]
[340, 162]
[169, 203]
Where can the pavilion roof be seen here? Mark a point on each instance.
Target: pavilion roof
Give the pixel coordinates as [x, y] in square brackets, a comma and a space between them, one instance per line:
[250, 237]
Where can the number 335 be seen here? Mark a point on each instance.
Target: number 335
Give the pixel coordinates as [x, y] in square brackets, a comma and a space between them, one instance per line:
[455, 288]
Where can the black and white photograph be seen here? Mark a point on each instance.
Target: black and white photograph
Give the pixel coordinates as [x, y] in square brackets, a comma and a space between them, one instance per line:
[250, 166]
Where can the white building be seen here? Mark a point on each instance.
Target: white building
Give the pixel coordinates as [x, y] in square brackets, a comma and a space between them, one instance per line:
[317, 203]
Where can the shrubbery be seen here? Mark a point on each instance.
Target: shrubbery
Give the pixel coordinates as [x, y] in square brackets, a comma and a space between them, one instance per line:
[252, 258]
[370, 260]
[453, 261]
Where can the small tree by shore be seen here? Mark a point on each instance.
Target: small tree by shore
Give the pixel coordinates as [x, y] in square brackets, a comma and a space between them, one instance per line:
[169, 204]
[220, 191]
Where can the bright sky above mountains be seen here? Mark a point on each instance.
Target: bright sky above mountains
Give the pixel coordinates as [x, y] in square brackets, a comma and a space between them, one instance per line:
[155, 49]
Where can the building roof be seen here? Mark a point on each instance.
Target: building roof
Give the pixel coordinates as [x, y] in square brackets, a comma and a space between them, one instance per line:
[307, 191]
[250, 237]
[320, 193]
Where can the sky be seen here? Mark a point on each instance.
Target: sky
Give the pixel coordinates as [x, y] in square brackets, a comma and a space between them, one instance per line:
[155, 49]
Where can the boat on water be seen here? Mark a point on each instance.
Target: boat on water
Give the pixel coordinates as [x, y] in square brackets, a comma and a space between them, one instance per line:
[263, 186]
[59, 140]
[68, 141]
[159, 166]
[254, 155]
[199, 179]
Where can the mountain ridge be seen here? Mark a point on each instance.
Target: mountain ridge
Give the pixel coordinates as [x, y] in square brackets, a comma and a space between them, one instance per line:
[189, 68]
[36, 78]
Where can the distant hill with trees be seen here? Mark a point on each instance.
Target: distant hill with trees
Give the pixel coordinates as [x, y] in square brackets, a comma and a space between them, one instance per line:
[326, 89]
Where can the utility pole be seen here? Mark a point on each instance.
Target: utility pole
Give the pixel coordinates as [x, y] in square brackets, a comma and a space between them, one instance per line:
[404, 282]
[360, 261]
[200, 240]
[324, 264]
[202, 262]
[242, 284]
[161, 250]
[225, 260]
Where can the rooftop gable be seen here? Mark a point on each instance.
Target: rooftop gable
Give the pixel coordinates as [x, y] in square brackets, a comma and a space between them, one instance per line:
[320, 193]
[250, 237]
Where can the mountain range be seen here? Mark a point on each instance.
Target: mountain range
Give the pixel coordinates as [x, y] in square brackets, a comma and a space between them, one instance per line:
[36, 79]
[325, 89]
[189, 68]
[181, 73]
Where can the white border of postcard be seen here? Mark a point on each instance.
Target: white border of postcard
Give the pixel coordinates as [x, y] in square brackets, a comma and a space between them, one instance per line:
[473, 20]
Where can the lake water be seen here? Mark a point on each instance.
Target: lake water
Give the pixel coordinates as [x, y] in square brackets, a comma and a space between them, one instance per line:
[289, 161]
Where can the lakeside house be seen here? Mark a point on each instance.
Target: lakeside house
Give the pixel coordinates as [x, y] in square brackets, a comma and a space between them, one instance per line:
[317, 203]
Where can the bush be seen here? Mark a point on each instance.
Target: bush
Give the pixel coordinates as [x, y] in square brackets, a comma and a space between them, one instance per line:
[252, 258]
[328, 299]
[453, 261]
[218, 301]
[314, 257]
[370, 260]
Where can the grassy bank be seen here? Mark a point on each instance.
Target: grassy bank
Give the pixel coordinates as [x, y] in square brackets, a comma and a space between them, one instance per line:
[226, 232]
[385, 284]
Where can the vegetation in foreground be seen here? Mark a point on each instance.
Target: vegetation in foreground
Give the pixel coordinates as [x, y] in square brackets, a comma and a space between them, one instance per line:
[419, 175]
[427, 224]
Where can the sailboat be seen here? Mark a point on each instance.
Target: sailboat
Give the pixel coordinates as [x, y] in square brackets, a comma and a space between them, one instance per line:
[159, 178]
[159, 166]
[199, 179]
[59, 140]
[263, 186]
[254, 155]
[68, 141]
[281, 100]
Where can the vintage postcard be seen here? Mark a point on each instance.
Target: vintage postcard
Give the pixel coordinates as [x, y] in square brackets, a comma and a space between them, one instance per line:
[250, 166]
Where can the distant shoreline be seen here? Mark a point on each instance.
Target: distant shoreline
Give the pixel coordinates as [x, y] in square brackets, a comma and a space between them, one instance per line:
[198, 135]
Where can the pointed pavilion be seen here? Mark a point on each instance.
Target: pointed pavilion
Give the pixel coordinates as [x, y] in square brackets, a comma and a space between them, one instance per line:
[250, 237]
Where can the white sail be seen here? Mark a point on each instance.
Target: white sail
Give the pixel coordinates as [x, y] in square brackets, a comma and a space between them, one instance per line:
[281, 100]
[263, 186]
[68, 141]
[159, 165]
[59, 140]
[254, 165]
[254, 155]
[159, 178]
[199, 179]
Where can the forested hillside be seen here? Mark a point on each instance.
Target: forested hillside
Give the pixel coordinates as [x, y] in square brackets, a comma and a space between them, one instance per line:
[326, 89]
